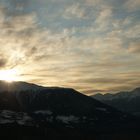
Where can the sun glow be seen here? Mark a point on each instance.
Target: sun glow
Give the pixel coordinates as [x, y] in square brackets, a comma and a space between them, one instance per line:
[9, 75]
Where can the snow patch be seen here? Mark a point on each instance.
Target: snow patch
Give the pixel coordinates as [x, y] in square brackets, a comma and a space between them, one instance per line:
[44, 112]
[67, 119]
[5, 121]
[20, 118]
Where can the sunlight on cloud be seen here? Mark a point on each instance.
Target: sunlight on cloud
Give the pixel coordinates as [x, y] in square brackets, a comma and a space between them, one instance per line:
[72, 44]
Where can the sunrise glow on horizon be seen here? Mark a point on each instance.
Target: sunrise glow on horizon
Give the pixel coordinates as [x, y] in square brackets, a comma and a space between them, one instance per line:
[9, 75]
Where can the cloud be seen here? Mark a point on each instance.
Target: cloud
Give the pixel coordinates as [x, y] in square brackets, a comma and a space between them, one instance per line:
[113, 81]
[134, 47]
[113, 88]
[133, 32]
[132, 5]
[3, 62]
[78, 44]
[133, 74]
[19, 2]
[74, 11]
[98, 4]
[19, 35]
[103, 19]
[104, 15]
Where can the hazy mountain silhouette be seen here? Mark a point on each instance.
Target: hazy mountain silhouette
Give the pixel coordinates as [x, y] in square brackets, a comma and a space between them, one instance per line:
[124, 101]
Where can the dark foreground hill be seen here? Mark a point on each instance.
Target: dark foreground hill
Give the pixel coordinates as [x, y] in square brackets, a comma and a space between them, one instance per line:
[124, 101]
[39, 113]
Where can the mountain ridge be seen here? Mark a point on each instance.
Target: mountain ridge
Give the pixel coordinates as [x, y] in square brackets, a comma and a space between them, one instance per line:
[127, 101]
[52, 112]
[23, 86]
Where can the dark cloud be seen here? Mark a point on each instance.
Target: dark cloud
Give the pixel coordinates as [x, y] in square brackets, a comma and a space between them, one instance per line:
[3, 62]
[11, 10]
[31, 51]
[18, 7]
[22, 2]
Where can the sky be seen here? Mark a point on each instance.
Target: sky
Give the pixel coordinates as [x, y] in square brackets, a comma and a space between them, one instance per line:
[90, 45]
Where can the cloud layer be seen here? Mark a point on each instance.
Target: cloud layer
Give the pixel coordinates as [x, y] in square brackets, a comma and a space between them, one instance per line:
[89, 45]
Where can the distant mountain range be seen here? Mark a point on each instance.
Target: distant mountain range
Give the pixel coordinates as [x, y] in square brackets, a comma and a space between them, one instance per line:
[124, 101]
[54, 111]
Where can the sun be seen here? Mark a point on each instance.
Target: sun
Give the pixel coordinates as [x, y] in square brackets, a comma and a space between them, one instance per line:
[9, 75]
